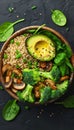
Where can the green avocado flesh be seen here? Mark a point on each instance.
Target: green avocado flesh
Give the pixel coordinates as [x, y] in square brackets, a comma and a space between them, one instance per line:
[41, 47]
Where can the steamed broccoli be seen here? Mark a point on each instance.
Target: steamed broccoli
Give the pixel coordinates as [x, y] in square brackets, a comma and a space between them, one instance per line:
[54, 74]
[62, 87]
[26, 94]
[45, 93]
[55, 94]
[31, 76]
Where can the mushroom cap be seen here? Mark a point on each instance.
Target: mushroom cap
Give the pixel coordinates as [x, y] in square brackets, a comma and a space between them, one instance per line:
[8, 84]
[19, 86]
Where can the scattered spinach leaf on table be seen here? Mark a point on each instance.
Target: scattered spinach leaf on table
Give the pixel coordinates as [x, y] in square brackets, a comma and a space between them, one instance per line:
[1, 88]
[10, 110]
[6, 29]
[58, 17]
[68, 102]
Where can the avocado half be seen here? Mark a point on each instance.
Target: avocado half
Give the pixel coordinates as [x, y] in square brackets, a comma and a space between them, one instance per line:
[40, 47]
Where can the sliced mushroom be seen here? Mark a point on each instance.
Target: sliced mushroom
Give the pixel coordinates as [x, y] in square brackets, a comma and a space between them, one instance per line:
[6, 67]
[50, 83]
[8, 84]
[17, 72]
[14, 90]
[37, 92]
[19, 86]
[49, 66]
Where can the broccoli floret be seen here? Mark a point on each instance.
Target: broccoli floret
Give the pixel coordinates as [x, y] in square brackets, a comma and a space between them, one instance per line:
[31, 76]
[54, 74]
[45, 93]
[26, 94]
[55, 94]
[62, 87]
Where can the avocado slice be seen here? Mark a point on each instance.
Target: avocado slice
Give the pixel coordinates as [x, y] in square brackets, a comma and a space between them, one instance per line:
[41, 47]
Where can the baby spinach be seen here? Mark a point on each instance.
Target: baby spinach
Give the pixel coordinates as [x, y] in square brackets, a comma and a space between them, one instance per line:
[10, 110]
[68, 102]
[58, 17]
[6, 29]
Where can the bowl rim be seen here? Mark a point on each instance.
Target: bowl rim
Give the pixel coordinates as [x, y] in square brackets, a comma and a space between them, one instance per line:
[19, 32]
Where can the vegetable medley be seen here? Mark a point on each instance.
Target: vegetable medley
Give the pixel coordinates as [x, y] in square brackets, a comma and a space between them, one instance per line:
[46, 78]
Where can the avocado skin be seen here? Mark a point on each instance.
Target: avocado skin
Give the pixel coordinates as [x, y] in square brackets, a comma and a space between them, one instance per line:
[40, 47]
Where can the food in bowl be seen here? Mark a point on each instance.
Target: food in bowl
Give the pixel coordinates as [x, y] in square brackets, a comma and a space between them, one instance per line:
[36, 65]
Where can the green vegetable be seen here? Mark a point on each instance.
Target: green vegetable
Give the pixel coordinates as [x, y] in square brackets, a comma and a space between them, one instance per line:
[17, 66]
[55, 94]
[62, 87]
[64, 69]
[5, 56]
[60, 58]
[17, 43]
[45, 93]
[67, 61]
[1, 88]
[12, 41]
[10, 9]
[54, 74]
[34, 7]
[18, 54]
[67, 50]
[10, 110]
[58, 17]
[26, 107]
[37, 30]
[68, 102]
[26, 94]
[7, 29]
[31, 76]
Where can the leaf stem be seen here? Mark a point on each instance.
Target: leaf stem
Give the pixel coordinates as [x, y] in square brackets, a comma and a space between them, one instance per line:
[18, 21]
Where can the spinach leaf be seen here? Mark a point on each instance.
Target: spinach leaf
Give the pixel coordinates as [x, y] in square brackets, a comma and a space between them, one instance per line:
[7, 29]
[1, 88]
[68, 102]
[10, 110]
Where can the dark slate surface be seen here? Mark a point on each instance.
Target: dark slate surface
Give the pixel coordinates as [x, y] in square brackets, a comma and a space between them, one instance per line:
[50, 117]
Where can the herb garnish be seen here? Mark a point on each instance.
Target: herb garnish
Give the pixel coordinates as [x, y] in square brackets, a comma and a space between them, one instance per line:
[18, 54]
[34, 7]
[5, 56]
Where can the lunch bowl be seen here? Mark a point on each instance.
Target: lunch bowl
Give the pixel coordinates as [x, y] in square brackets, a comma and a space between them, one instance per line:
[11, 72]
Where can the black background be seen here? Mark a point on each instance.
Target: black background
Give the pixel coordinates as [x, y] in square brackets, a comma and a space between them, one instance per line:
[52, 116]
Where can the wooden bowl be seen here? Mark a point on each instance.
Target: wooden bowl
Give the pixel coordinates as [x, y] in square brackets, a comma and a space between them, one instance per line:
[22, 31]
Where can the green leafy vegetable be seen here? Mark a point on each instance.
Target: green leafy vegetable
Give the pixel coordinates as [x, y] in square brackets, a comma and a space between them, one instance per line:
[60, 58]
[7, 29]
[1, 88]
[10, 110]
[36, 31]
[68, 102]
[58, 17]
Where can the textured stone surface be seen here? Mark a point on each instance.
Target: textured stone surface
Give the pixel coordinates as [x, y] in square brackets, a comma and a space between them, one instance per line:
[51, 117]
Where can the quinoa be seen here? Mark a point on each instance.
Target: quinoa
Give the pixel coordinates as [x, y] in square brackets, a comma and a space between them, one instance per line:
[19, 44]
